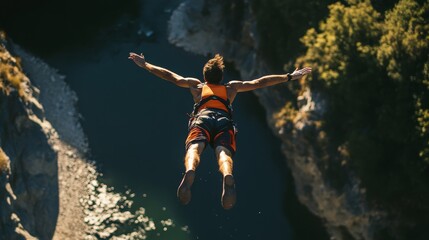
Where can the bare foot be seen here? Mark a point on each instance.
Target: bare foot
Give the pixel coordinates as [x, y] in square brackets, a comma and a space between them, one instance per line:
[229, 196]
[184, 190]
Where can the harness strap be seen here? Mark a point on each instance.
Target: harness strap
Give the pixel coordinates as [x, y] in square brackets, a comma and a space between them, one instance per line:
[198, 105]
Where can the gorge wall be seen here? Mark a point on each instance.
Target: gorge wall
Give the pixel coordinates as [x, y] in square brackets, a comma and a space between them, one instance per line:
[43, 173]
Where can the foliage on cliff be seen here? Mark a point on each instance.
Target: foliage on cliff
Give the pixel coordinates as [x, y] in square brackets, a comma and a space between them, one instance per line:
[374, 69]
[370, 60]
[12, 77]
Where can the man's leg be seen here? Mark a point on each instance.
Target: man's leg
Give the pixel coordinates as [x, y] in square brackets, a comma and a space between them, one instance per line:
[192, 159]
[224, 158]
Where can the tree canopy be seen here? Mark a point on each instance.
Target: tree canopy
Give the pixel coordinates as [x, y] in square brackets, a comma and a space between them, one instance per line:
[373, 67]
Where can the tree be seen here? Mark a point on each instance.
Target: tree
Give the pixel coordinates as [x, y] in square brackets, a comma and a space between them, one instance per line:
[373, 67]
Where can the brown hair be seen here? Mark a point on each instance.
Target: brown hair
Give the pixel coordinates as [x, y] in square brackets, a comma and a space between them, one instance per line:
[213, 69]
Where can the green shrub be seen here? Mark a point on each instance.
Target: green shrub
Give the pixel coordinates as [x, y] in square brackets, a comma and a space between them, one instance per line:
[373, 68]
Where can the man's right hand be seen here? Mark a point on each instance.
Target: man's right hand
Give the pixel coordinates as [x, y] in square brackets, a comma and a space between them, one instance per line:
[138, 59]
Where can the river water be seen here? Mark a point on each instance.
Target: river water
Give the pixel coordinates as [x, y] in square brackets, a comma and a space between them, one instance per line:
[136, 125]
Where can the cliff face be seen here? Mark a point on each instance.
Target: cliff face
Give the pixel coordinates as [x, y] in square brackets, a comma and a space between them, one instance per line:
[41, 143]
[30, 177]
[32, 166]
[208, 27]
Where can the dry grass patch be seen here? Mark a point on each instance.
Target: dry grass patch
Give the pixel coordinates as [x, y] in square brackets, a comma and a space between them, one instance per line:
[4, 161]
[12, 77]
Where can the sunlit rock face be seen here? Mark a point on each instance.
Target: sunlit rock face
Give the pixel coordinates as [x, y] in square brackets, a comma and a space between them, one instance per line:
[31, 172]
[45, 173]
[229, 28]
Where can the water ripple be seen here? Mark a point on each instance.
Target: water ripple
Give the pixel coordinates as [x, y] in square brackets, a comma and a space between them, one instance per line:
[111, 215]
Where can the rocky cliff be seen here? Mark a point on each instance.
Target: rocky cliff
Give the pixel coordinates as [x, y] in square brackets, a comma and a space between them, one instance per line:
[229, 28]
[43, 173]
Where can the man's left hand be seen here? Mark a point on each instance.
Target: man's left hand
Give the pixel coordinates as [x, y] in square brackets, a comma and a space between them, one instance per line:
[299, 73]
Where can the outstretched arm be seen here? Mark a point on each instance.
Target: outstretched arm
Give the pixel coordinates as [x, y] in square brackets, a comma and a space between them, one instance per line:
[163, 73]
[268, 80]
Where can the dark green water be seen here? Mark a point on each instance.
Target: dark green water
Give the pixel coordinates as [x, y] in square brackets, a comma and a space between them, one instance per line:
[136, 125]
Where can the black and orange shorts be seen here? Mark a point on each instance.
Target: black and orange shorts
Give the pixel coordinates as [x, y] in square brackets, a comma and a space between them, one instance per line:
[213, 127]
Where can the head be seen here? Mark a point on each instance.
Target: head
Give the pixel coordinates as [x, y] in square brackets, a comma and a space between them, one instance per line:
[213, 70]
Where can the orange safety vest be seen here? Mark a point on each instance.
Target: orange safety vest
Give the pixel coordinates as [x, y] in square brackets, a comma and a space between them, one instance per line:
[213, 96]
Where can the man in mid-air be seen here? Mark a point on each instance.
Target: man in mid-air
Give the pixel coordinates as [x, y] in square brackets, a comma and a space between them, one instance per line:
[211, 121]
